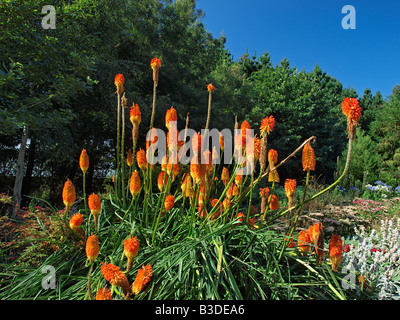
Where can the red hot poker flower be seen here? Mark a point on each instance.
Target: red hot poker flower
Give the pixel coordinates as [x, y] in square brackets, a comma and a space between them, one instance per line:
[92, 248]
[104, 294]
[335, 251]
[267, 125]
[84, 161]
[135, 115]
[304, 242]
[141, 159]
[308, 157]
[94, 204]
[290, 187]
[142, 278]
[115, 276]
[352, 110]
[155, 63]
[76, 221]
[210, 88]
[170, 116]
[68, 194]
[169, 202]
[131, 249]
[119, 81]
[134, 185]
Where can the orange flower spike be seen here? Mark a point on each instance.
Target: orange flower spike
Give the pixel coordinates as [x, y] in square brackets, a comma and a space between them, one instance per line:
[134, 184]
[273, 156]
[308, 157]
[160, 181]
[164, 163]
[352, 110]
[210, 88]
[197, 171]
[172, 169]
[290, 187]
[219, 210]
[169, 202]
[273, 202]
[229, 192]
[235, 190]
[104, 294]
[314, 230]
[272, 160]
[240, 216]
[225, 177]
[76, 221]
[141, 159]
[95, 208]
[245, 126]
[202, 192]
[238, 178]
[68, 194]
[131, 249]
[207, 160]
[92, 248]
[115, 276]
[226, 203]
[267, 125]
[264, 192]
[170, 116]
[304, 242]
[221, 141]
[135, 115]
[155, 65]
[143, 277]
[84, 161]
[129, 158]
[335, 251]
[119, 81]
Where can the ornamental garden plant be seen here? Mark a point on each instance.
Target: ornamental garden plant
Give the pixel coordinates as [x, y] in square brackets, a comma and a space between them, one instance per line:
[181, 222]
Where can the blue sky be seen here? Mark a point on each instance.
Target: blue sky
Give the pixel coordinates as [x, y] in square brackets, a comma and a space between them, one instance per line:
[309, 32]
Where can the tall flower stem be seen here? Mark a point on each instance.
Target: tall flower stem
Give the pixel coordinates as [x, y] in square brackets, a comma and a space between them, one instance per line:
[209, 110]
[153, 111]
[117, 173]
[122, 158]
[84, 192]
[89, 287]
